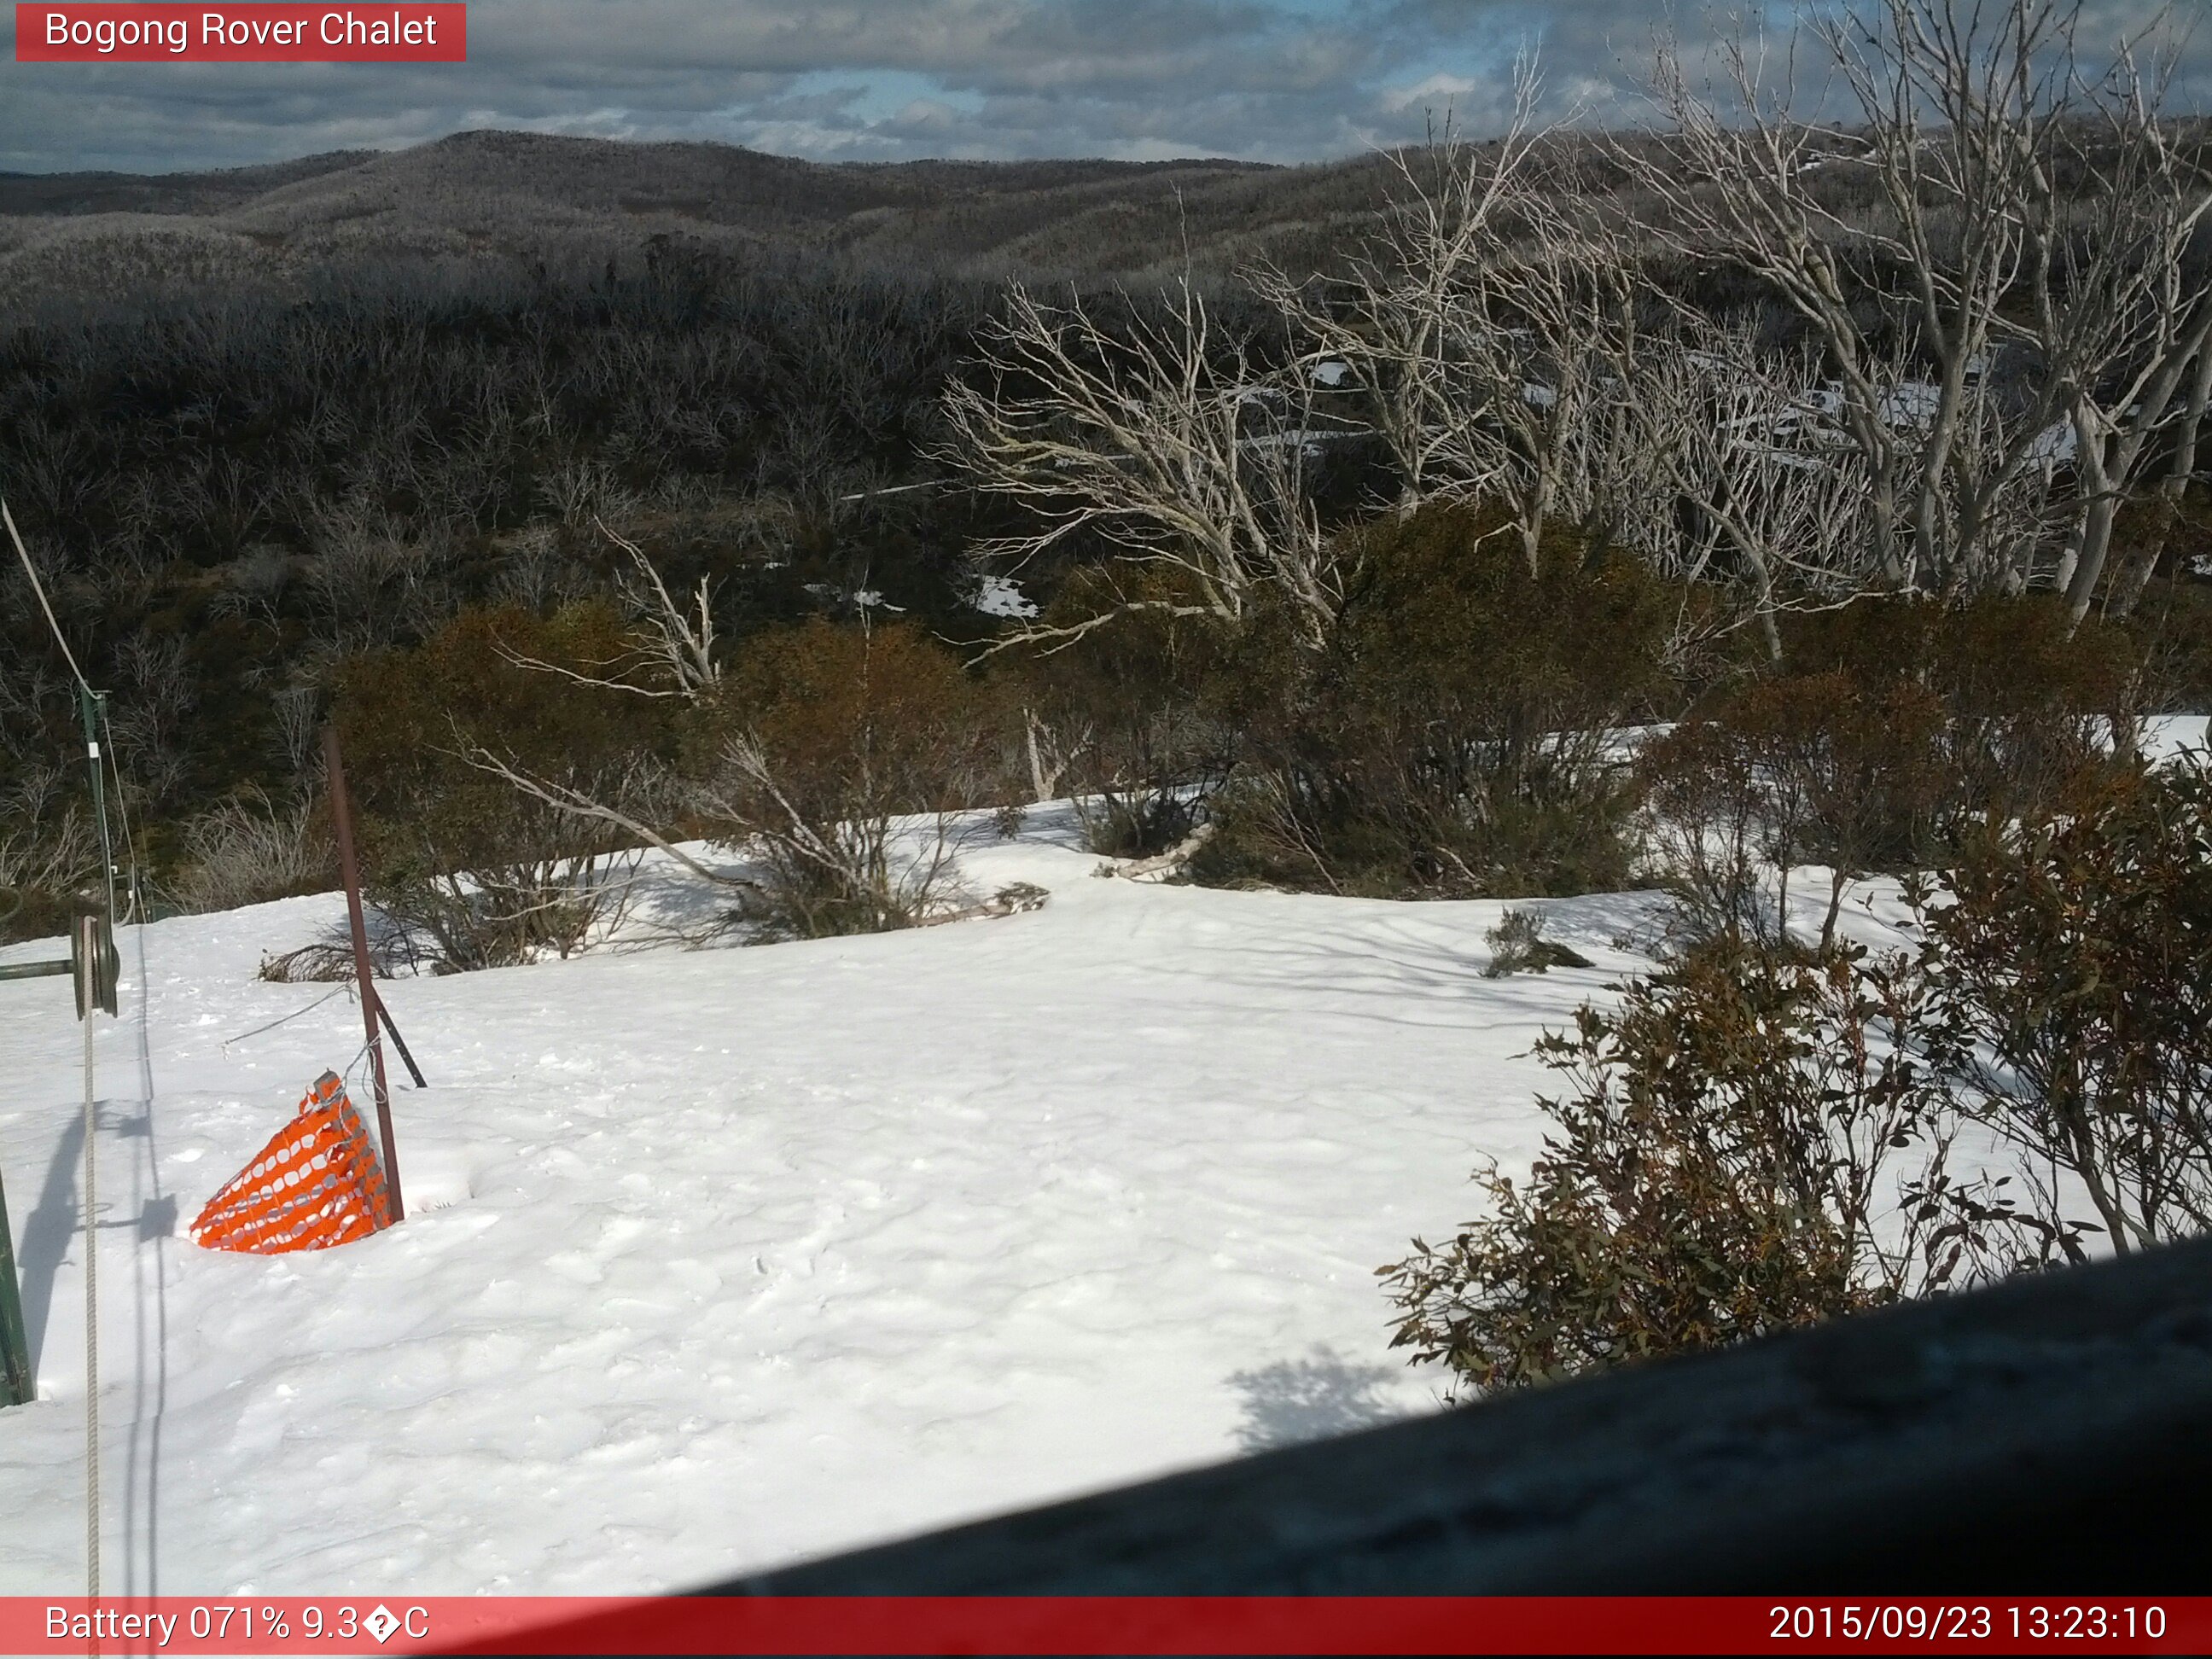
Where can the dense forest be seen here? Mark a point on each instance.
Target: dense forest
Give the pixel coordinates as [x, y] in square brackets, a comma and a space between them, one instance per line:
[234, 476]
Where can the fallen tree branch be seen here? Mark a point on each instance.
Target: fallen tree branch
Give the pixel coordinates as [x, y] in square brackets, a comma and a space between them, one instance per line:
[1160, 863]
[1007, 902]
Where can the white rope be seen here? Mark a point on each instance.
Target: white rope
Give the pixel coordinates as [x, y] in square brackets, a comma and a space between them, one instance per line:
[354, 1084]
[91, 1334]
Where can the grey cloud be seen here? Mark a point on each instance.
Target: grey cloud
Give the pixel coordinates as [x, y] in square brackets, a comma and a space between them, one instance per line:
[1260, 79]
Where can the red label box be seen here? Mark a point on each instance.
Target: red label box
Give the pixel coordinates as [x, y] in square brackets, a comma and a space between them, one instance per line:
[67, 32]
[195, 1627]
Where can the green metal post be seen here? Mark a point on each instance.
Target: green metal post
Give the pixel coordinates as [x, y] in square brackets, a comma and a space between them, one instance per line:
[18, 1387]
[89, 701]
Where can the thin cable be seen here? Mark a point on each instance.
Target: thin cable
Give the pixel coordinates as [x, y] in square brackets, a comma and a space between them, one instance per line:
[343, 990]
[93, 698]
[39, 588]
[136, 917]
[91, 1334]
[152, 1420]
[97, 704]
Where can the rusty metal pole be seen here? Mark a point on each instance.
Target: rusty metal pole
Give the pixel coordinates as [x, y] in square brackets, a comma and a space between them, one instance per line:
[341, 819]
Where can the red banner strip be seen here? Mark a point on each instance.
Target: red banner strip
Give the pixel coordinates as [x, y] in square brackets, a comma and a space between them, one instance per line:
[73, 32]
[1089, 1624]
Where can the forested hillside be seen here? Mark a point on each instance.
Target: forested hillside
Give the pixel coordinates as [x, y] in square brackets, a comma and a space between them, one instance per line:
[528, 202]
[252, 422]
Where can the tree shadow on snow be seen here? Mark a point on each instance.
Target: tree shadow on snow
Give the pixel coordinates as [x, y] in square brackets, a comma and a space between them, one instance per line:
[1295, 1401]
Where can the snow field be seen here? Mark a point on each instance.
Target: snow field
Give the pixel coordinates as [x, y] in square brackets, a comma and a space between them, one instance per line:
[717, 1258]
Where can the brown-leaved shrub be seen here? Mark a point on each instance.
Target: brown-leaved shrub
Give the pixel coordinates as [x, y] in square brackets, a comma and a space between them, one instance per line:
[833, 754]
[487, 874]
[2071, 959]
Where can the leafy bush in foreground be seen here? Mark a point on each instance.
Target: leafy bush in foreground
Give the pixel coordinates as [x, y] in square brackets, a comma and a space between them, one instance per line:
[2071, 960]
[1761, 1137]
[1749, 1144]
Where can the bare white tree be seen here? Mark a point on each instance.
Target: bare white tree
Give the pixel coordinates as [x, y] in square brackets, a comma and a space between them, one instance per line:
[1050, 756]
[1397, 319]
[1530, 403]
[1175, 440]
[297, 709]
[2141, 356]
[1490, 323]
[672, 651]
[249, 848]
[46, 842]
[2024, 212]
[1754, 494]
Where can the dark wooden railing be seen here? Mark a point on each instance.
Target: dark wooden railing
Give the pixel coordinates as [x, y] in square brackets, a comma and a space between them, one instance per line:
[2052, 1435]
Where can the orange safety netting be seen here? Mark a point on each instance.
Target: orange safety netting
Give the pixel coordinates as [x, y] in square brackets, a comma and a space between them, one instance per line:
[315, 1184]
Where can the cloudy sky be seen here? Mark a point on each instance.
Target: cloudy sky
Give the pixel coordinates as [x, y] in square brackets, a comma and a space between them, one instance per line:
[886, 80]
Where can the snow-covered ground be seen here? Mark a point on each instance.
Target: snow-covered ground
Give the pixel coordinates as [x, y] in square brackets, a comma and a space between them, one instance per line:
[719, 1258]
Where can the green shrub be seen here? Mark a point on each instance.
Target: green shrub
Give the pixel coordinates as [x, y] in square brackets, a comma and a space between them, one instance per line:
[1460, 735]
[1809, 768]
[1760, 1137]
[1893, 729]
[2031, 704]
[2172, 628]
[1130, 708]
[2071, 960]
[1517, 946]
[1748, 1145]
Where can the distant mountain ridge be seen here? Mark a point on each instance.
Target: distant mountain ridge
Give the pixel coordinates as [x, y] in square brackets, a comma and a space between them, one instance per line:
[534, 197]
[487, 149]
[70, 194]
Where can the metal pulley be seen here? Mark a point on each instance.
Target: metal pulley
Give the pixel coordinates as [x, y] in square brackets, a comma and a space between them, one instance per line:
[95, 965]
